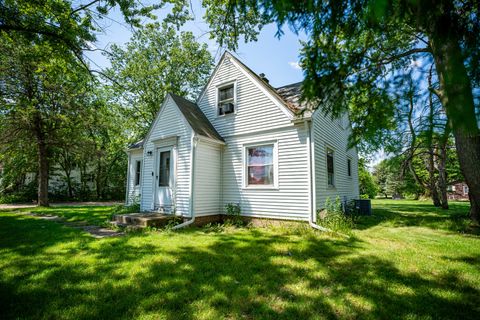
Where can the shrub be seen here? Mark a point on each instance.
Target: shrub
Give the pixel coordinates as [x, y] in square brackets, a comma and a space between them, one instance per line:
[233, 211]
[334, 218]
[122, 209]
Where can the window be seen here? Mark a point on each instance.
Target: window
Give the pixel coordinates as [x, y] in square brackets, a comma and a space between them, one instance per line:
[260, 165]
[164, 170]
[331, 178]
[226, 99]
[138, 168]
[349, 167]
[465, 189]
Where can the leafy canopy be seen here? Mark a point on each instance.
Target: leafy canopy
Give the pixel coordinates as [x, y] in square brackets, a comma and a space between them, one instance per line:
[156, 61]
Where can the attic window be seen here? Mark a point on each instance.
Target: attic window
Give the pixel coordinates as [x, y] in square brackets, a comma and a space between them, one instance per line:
[226, 99]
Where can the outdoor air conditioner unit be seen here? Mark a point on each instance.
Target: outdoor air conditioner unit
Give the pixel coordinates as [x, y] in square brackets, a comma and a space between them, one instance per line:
[226, 108]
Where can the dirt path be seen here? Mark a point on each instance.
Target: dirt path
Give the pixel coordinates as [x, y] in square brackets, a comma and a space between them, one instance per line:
[94, 231]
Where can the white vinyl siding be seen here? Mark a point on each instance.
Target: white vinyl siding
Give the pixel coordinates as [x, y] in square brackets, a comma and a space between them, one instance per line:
[327, 134]
[290, 199]
[254, 111]
[207, 189]
[169, 123]
[133, 191]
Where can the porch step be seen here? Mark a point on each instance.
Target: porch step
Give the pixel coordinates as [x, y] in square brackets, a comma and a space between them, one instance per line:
[143, 219]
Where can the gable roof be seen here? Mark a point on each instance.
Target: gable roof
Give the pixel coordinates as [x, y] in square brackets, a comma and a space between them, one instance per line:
[192, 114]
[136, 145]
[293, 109]
[292, 93]
[195, 117]
[292, 104]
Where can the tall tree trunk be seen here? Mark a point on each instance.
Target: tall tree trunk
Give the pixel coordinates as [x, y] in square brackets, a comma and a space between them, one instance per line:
[69, 184]
[442, 176]
[42, 157]
[442, 162]
[432, 183]
[457, 98]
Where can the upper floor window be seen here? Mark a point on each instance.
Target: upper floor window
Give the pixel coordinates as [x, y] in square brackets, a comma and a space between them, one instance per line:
[226, 99]
[138, 168]
[330, 169]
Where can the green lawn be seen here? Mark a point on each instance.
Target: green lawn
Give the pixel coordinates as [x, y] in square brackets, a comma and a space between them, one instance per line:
[409, 260]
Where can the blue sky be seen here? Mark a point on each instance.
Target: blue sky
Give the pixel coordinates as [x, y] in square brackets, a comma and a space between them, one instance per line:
[277, 58]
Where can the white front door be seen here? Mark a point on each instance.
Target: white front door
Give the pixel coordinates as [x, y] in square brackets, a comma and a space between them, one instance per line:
[164, 179]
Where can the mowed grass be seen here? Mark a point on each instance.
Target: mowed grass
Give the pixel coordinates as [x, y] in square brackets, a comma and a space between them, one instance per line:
[409, 260]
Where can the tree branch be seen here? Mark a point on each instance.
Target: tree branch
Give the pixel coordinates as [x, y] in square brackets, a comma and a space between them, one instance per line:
[404, 54]
[84, 7]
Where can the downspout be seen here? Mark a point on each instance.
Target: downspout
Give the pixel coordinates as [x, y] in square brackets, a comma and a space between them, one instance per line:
[193, 148]
[127, 192]
[311, 205]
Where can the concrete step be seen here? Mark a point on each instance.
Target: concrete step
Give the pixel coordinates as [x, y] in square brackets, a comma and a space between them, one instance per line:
[143, 219]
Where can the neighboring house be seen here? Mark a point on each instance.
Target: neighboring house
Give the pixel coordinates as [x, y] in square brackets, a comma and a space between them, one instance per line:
[458, 191]
[242, 142]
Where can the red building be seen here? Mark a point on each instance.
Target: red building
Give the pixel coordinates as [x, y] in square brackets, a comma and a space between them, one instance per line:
[458, 191]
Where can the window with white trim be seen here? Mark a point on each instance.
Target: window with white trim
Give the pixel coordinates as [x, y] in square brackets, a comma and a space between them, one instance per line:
[138, 169]
[465, 189]
[226, 99]
[330, 169]
[260, 165]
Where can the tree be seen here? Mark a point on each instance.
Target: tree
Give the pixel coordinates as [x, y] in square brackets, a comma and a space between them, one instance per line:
[391, 178]
[42, 90]
[357, 49]
[73, 24]
[156, 61]
[367, 185]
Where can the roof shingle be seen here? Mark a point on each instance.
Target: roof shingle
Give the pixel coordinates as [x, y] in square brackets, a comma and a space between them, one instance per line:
[195, 117]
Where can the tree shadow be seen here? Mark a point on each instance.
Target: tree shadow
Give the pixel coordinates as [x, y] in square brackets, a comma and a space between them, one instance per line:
[242, 274]
[398, 214]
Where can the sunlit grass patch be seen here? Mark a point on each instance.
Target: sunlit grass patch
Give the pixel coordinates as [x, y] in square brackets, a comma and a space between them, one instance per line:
[406, 261]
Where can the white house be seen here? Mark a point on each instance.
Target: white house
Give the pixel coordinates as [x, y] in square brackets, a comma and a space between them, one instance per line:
[242, 142]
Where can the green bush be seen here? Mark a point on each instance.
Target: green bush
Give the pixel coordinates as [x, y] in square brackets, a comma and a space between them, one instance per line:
[25, 194]
[334, 218]
[233, 211]
[122, 209]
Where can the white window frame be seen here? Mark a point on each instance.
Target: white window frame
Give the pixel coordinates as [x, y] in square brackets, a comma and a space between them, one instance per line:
[217, 94]
[327, 147]
[245, 147]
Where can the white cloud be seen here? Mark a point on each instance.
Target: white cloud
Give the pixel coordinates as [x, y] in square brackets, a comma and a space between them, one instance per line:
[295, 65]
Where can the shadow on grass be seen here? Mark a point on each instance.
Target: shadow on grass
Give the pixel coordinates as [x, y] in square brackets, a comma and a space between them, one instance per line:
[60, 273]
[96, 215]
[419, 214]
